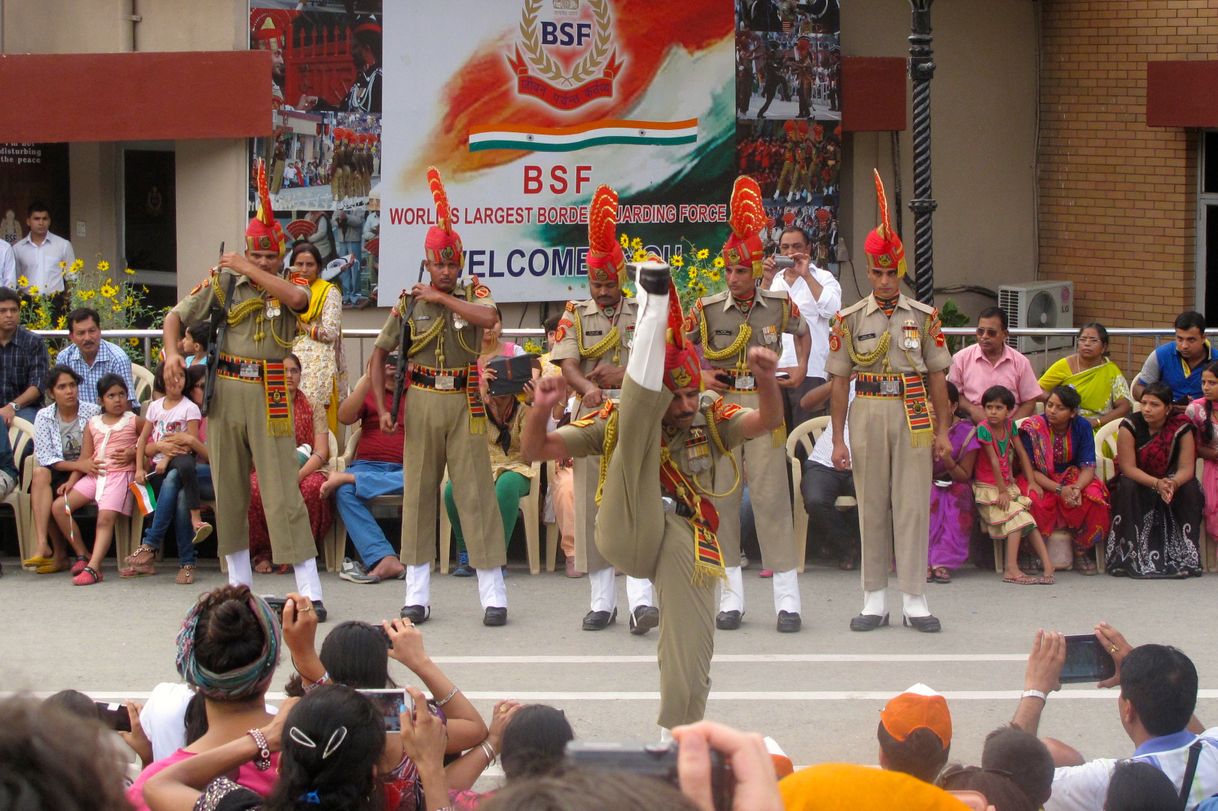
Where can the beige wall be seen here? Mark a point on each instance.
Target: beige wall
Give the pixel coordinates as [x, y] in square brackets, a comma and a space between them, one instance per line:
[983, 113]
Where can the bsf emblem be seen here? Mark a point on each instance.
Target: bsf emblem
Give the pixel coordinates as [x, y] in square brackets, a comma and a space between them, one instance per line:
[681, 377]
[538, 57]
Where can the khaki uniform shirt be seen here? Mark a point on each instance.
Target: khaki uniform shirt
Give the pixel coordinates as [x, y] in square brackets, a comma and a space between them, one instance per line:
[692, 449]
[720, 319]
[916, 342]
[241, 337]
[584, 325]
[512, 460]
[457, 343]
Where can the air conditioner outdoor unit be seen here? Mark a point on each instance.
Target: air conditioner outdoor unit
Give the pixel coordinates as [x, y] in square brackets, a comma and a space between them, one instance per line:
[1038, 305]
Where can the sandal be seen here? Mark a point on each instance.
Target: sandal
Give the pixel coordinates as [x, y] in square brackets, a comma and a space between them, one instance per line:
[262, 566]
[1045, 580]
[36, 561]
[1084, 565]
[87, 577]
[202, 533]
[930, 575]
[942, 574]
[1022, 580]
[140, 563]
[186, 575]
[79, 564]
[51, 567]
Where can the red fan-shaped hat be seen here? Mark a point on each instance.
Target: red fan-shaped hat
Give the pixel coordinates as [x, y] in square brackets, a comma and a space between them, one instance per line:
[442, 243]
[264, 233]
[747, 219]
[883, 246]
[606, 261]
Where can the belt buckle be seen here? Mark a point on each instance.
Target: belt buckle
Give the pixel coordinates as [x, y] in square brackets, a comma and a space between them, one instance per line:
[670, 504]
[250, 371]
[890, 387]
[746, 382]
[445, 382]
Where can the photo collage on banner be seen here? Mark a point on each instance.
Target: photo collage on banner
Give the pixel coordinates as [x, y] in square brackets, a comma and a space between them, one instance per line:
[788, 110]
[324, 159]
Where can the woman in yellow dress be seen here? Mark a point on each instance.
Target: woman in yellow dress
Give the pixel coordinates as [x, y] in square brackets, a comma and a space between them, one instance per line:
[319, 342]
[1098, 381]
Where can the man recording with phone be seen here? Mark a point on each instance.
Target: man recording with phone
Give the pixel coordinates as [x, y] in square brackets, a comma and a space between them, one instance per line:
[818, 296]
[1157, 699]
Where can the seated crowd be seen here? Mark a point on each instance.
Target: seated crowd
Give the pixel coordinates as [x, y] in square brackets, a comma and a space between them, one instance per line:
[349, 737]
[1024, 469]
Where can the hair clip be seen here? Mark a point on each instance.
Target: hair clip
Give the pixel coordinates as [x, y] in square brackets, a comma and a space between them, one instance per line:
[336, 740]
[310, 798]
[296, 734]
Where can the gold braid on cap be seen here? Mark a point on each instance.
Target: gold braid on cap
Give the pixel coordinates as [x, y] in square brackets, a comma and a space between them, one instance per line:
[443, 210]
[747, 216]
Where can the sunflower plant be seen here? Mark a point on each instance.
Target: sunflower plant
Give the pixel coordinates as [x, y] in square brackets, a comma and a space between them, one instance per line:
[116, 298]
[696, 272]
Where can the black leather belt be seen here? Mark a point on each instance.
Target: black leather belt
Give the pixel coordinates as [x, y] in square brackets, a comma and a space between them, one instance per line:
[239, 368]
[434, 381]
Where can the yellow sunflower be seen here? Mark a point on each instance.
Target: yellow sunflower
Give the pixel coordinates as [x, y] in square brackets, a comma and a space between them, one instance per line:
[103, 266]
[718, 263]
[676, 261]
[703, 254]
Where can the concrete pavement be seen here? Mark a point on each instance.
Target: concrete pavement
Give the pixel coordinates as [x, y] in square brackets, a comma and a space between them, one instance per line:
[818, 692]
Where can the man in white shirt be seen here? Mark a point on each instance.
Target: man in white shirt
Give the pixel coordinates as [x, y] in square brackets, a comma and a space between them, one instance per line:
[8, 266]
[43, 258]
[1158, 695]
[818, 296]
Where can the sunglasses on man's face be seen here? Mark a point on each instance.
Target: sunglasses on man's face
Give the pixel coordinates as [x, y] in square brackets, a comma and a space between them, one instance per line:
[987, 332]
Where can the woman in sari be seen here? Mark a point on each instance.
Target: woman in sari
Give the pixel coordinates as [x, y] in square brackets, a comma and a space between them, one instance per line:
[1103, 390]
[1061, 446]
[1156, 506]
[1201, 414]
[319, 343]
[952, 512]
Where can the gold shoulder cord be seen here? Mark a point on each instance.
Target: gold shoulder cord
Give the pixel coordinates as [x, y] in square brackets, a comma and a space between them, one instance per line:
[241, 312]
[866, 358]
[598, 349]
[608, 445]
[713, 430]
[735, 348]
[469, 296]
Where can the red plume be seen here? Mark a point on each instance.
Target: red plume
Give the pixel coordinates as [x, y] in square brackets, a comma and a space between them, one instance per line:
[602, 220]
[443, 218]
[885, 228]
[747, 216]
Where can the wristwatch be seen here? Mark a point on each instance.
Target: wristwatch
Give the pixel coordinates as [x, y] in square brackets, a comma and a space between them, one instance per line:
[1059, 489]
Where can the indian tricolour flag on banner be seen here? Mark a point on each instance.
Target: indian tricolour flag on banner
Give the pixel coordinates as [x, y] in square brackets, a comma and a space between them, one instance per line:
[145, 499]
[582, 136]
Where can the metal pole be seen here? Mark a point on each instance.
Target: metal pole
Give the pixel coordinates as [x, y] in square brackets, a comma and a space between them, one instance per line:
[921, 71]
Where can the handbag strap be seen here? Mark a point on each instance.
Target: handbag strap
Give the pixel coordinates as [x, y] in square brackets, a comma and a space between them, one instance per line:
[1194, 754]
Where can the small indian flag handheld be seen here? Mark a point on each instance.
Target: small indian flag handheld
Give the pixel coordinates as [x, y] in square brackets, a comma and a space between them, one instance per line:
[145, 499]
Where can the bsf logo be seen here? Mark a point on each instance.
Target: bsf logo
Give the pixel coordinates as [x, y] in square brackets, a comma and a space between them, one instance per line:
[567, 61]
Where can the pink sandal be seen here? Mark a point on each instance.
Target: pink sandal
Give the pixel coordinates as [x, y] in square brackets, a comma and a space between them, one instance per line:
[79, 564]
[87, 577]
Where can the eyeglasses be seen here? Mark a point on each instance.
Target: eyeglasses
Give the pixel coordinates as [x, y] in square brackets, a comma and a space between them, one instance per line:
[987, 332]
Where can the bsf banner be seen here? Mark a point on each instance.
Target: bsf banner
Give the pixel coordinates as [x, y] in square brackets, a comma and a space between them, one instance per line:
[525, 106]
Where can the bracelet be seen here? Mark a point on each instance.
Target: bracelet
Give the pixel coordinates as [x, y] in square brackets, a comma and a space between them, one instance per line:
[489, 751]
[1034, 694]
[264, 751]
[447, 698]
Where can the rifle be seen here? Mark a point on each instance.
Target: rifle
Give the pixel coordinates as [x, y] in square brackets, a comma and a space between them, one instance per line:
[216, 330]
[404, 341]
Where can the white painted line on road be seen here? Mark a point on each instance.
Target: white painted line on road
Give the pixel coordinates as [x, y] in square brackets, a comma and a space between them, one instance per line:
[737, 658]
[720, 695]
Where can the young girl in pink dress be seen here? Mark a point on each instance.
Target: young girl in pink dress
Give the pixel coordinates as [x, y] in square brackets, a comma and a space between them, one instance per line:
[109, 442]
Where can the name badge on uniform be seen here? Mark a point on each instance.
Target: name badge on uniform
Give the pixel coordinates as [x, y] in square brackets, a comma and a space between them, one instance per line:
[866, 336]
[769, 333]
[912, 338]
[591, 332]
[728, 333]
[420, 317]
[445, 382]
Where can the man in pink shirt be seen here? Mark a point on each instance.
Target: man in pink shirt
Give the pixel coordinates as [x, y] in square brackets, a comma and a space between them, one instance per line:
[991, 362]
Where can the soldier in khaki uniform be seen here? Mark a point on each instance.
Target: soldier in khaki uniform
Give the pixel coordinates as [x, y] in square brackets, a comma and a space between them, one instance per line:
[663, 527]
[444, 421]
[250, 417]
[895, 345]
[592, 345]
[727, 325]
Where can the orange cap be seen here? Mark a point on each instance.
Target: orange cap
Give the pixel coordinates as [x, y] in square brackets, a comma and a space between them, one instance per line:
[917, 708]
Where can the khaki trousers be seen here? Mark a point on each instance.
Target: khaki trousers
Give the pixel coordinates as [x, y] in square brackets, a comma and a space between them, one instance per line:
[636, 535]
[892, 481]
[437, 433]
[587, 557]
[237, 438]
[764, 467]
